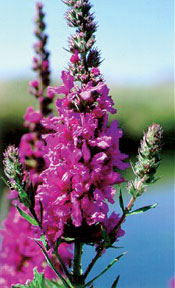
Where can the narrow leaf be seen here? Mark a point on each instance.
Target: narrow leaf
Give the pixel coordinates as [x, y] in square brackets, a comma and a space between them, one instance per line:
[23, 195]
[27, 216]
[37, 282]
[57, 244]
[105, 270]
[18, 286]
[54, 284]
[38, 279]
[132, 167]
[69, 240]
[114, 285]
[52, 266]
[141, 210]
[116, 247]
[44, 241]
[121, 200]
[105, 237]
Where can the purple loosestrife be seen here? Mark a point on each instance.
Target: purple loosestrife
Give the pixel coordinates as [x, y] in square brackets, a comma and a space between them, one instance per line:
[67, 177]
[85, 59]
[31, 144]
[82, 152]
[19, 266]
[148, 160]
[41, 62]
[20, 254]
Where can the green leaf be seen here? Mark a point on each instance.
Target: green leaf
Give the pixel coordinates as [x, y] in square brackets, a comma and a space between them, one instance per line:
[53, 267]
[107, 240]
[23, 195]
[116, 247]
[43, 240]
[27, 217]
[18, 286]
[141, 210]
[121, 200]
[57, 244]
[154, 180]
[133, 169]
[37, 282]
[68, 239]
[114, 285]
[38, 279]
[53, 284]
[105, 270]
[131, 189]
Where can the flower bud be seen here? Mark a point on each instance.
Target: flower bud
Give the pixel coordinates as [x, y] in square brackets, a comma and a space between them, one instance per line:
[148, 160]
[12, 165]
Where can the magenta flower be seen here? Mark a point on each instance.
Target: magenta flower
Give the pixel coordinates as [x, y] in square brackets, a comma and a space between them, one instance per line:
[32, 116]
[20, 254]
[66, 87]
[172, 283]
[34, 83]
[81, 154]
[95, 71]
[75, 57]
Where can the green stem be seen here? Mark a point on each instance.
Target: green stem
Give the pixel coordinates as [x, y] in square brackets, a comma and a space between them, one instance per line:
[100, 251]
[127, 209]
[77, 275]
[105, 270]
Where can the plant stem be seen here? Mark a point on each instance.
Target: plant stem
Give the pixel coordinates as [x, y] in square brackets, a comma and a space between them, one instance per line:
[77, 276]
[100, 251]
[127, 209]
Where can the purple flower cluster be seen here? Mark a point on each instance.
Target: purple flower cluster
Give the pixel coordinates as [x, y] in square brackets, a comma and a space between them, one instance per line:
[67, 166]
[81, 154]
[31, 144]
[20, 254]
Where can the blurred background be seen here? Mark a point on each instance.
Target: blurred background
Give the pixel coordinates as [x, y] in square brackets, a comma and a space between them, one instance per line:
[136, 40]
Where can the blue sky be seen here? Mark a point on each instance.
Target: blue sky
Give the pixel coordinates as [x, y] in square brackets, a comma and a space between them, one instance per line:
[134, 36]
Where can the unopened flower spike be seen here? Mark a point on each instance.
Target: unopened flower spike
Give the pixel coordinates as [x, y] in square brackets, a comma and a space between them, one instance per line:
[41, 63]
[31, 144]
[148, 160]
[14, 171]
[85, 59]
[12, 165]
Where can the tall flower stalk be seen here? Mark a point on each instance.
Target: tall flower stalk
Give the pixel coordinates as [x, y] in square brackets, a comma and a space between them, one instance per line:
[19, 253]
[31, 144]
[66, 196]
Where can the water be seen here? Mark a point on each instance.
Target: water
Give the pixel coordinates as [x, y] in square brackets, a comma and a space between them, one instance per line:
[149, 241]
